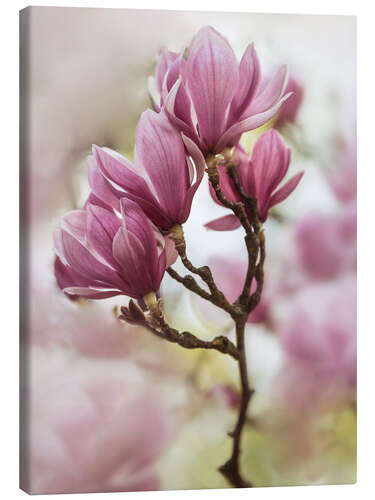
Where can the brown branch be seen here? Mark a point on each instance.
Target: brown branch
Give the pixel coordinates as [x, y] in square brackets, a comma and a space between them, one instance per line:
[190, 283]
[247, 213]
[156, 324]
[255, 244]
[204, 272]
[231, 468]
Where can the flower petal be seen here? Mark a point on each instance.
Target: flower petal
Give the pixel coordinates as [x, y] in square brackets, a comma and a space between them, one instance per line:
[282, 193]
[233, 134]
[102, 225]
[66, 276]
[136, 222]
[270, 160]
[270, 94]
[212, 74]
[101, 187]
[170, 110]
[84, 262]
[199, 164]
[166, 59]
[75, 223]
[226, 223]
[130, 255]
[249, 76]
[161, 151]
[123, 173]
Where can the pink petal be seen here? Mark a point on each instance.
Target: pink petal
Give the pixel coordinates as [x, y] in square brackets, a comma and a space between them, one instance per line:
[170, 252]
[252, 122]
[165, 61]
[130, 255]
[212, 72]
[137, 223]
[153, 212]
[66, 277]
[270, 160]
[82, 261]
[101, 187]
[102, 225]
[169, 108]
[182, 105]
[200, 164]
[75, 223]
[121, 171]
[249, 76]
[270, 94]
[225, 223]
[161, 151]
[94, 200]
[285, 190]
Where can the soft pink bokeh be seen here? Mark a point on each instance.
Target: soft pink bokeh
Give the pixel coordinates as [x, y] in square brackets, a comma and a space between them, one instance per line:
[103, 432]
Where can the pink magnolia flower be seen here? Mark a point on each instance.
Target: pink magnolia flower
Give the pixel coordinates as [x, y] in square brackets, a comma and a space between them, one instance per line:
[101, 255]
[259, 175]
[327, 244]
[167, 171]
[211, 97]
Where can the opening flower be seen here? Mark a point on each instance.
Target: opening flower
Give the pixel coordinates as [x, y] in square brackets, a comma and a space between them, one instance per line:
[211, 97]
[101, 255]
[259, 176]
[167, 171]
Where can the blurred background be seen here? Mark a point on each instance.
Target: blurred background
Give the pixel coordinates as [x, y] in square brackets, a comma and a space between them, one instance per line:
[108, 407]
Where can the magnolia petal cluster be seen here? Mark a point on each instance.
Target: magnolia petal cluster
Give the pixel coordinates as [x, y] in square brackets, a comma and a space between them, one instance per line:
[167, 171]
[260, 176]
[101, 255]
[211, 97]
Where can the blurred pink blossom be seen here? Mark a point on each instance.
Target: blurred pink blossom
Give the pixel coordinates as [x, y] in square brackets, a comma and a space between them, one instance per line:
[289, 109]
[327, 244]
[319, 339]
[343, 179]
[96, 426]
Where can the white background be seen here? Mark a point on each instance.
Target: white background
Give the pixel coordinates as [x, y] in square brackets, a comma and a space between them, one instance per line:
[364, 10]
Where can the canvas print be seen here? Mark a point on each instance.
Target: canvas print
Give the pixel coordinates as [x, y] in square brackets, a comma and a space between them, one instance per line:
[188, 250]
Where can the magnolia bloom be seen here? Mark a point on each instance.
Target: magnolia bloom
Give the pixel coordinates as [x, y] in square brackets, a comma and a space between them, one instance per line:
[167, 171]
[259, 175]
[211, 97]
[102, 255]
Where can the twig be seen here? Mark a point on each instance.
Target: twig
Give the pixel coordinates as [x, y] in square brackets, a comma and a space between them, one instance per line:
[216, 296]
[156, 324]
